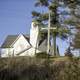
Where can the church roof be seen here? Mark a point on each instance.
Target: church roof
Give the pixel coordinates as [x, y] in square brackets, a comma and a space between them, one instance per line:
[10, 39]
[27, 37]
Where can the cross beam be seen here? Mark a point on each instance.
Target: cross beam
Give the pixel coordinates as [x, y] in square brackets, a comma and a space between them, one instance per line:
[54, 28]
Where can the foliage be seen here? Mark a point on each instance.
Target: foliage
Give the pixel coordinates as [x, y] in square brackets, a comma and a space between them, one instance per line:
[52, 7]
[75, 21]
[42, 55]
[68, 52]
[76, 41]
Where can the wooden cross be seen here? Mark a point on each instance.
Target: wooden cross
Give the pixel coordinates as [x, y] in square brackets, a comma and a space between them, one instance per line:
[49, 28]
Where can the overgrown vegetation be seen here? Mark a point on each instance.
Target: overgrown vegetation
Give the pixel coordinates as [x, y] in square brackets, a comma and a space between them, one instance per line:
[25, 68]
[42, 55]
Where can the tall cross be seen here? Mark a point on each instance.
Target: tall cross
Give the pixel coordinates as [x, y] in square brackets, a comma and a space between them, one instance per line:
[49, 28]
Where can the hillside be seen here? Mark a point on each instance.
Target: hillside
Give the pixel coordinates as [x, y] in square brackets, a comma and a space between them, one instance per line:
[26, 68]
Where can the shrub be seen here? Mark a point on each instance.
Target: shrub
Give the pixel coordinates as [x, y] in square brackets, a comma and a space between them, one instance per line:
[42, 55]
[68, 52]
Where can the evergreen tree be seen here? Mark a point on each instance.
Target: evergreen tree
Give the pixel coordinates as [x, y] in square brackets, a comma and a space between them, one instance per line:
[74, 21]
[42, 18]
[77, 41]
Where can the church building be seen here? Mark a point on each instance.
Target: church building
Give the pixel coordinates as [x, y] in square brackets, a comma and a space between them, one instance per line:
[24, 45]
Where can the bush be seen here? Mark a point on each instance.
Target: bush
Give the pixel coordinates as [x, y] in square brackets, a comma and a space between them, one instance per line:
[69, 54]
[42, 55]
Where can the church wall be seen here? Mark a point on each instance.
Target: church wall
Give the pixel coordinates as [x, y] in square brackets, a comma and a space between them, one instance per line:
[30, 52]
[20, 45]
[7, 52]
[43, 46]
[34, 31]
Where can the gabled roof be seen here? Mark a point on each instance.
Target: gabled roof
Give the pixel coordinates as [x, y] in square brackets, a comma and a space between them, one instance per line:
[27, 37]
[10, 40]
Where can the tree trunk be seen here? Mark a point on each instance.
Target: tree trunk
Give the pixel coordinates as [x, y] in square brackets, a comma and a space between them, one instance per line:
[54, 44]
[57, 50]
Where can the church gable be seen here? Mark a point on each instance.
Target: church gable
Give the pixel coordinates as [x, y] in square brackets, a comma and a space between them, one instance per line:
[12, 39]
[14, 44]
[21, 44]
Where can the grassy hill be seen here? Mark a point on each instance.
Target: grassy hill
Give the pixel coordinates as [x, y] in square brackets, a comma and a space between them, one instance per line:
[27, 68]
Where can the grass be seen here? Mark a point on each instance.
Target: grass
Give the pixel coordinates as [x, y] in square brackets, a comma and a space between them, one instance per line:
[27, 68]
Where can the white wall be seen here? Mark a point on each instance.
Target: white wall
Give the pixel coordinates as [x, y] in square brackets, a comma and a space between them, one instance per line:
[30, 52]
[34, 31]
[6, 52]
[20, 45]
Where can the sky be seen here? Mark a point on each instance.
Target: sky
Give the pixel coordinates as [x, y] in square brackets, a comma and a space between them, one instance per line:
[15, 18]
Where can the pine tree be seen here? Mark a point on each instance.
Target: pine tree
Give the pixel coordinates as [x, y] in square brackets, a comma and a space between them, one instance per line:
[76, 42]
[42, 18]
[74, 21]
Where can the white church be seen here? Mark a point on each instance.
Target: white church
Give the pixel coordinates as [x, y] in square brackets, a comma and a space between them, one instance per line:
[25, 45]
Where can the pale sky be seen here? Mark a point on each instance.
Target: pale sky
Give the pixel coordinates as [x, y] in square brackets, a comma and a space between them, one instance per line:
[15, 17]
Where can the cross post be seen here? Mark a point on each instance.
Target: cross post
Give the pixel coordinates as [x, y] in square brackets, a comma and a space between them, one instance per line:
[48, 36]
